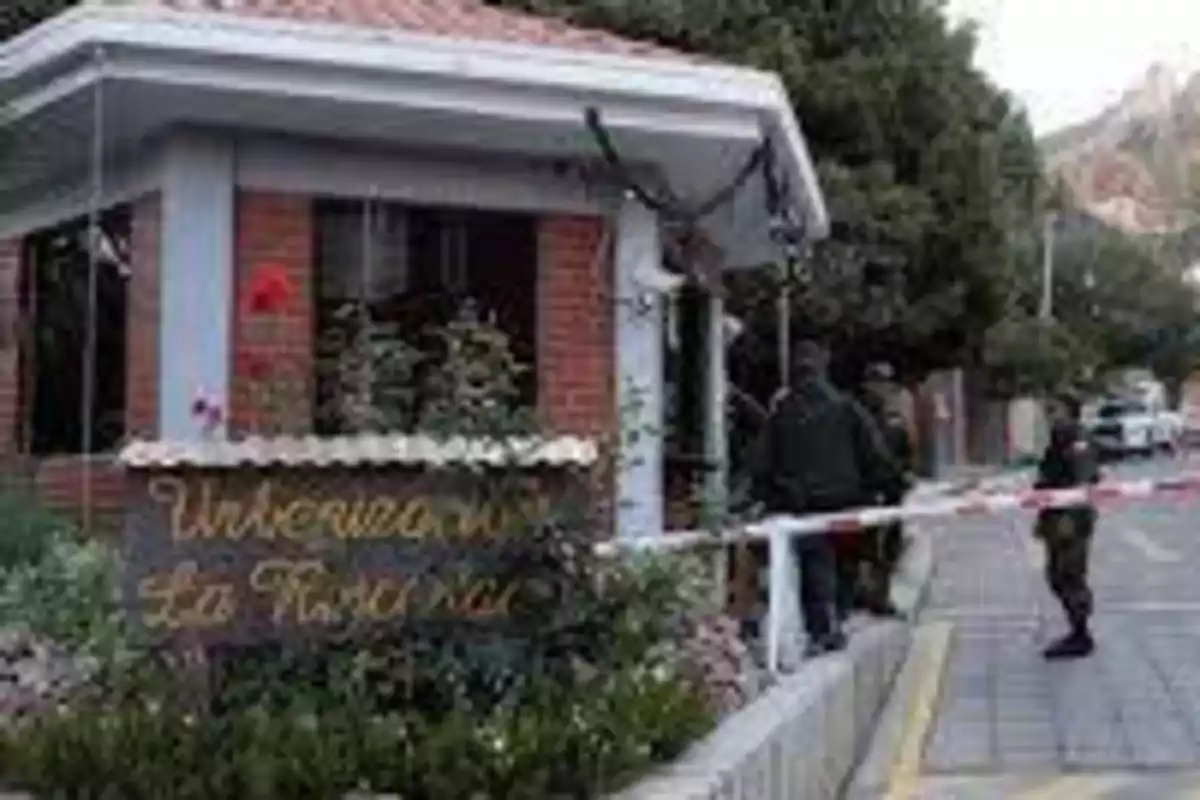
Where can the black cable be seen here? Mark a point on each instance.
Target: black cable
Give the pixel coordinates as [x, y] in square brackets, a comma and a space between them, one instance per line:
[671, 206]
[724, 195]
[609, 151]
[771, 185]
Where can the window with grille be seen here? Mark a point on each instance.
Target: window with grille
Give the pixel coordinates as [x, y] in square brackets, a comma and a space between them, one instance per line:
[56, 306]
[407, 270]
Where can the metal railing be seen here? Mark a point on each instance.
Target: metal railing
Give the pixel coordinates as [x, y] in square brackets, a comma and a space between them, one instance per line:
[778, 531]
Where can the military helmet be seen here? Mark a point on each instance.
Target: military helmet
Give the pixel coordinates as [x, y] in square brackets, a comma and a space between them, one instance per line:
[1070, 399]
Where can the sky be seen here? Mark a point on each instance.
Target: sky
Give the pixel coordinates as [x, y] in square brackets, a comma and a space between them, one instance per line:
[1067, 59]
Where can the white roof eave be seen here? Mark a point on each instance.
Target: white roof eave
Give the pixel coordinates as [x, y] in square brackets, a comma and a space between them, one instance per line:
[681, 90]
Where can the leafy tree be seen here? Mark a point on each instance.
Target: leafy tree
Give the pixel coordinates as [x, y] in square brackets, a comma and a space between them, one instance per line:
[17, 16]
[929, 170]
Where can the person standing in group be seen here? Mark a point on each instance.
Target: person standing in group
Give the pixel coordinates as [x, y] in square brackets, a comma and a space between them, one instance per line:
[819, 452]
[1068, 461]
[881, 547]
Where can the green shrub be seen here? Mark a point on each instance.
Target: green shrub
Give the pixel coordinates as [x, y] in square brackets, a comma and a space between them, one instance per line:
[434, 721]
[69, 595]
[28, 531]
[556, 743]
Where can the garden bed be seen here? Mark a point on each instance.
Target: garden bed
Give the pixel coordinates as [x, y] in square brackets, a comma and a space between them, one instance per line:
[644, 668]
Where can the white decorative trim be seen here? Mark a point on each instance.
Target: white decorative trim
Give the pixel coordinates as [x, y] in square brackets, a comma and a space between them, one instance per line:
[364, 450]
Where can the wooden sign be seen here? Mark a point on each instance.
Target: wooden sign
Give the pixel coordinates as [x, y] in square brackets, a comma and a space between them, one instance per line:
[249, 555]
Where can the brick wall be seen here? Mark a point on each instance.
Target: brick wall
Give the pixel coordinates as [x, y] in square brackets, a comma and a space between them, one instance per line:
[576, 348]
[575, 333]
[576, 365]
[10, 274]
[575, 319]
[274, 230]
[141, 399]
[59, 480]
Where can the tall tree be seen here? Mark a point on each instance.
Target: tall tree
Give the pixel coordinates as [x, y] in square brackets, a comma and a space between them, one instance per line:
[19, 15]
[930, 171]
[1127, 296]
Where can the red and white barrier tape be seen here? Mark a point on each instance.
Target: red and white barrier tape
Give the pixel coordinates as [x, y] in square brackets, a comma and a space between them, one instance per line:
[973, 503]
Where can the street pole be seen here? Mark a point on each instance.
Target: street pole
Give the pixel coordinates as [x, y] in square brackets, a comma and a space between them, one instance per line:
[1047, 308]
[785, 327]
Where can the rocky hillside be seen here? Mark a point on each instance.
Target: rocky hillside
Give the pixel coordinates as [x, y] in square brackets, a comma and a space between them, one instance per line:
[1132, 165]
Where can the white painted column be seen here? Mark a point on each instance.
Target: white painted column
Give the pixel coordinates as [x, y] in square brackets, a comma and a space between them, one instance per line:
[196, 274]
[716, 437]
[639, 331]
[716, 428]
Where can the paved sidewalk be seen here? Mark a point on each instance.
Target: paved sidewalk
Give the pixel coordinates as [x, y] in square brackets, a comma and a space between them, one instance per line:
[978, 714]
[1096, 786]
[1136, 704]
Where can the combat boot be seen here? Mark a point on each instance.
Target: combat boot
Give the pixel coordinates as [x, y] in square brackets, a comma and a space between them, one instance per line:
[1077, 644]
[832, 642]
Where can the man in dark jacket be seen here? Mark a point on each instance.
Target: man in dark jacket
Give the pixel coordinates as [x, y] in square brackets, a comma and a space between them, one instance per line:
[819, 452]
[1069, 461]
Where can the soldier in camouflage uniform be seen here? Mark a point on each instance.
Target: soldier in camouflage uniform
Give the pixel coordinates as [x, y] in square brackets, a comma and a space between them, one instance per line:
[1069, 461]
[880, 546]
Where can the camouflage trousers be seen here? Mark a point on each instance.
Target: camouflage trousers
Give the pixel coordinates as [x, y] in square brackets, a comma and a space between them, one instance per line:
[866, 562]
[1067, 534]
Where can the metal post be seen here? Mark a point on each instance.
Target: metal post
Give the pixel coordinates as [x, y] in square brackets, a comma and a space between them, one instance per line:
[88, 392]
[1048, 223]
[778, 551]
[716, 440]
[785, 328]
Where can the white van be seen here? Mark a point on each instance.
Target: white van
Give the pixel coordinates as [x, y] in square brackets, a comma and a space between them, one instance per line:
[1135, 423]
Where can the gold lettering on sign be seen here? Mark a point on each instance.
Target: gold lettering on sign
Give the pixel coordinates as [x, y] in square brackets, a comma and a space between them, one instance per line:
[415, 520]
[289, 519]
[201, 512]
[300, 590]
[480, 520]
[296, 520]
[185, 598]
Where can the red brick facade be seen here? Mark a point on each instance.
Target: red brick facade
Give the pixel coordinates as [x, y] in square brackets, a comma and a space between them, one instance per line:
[274, 230]
[576, 390]
[576, 350]
[576, 359]
[141, 400]
[10, 309]
[59, 480]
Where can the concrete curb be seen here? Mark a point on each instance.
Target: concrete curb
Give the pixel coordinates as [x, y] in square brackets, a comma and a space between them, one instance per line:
[802, 739]
[876, 774]
[885, 748]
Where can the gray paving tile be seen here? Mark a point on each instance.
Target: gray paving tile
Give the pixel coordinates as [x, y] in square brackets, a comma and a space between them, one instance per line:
[1094, 758]
[1135, 705]
[1036, 759]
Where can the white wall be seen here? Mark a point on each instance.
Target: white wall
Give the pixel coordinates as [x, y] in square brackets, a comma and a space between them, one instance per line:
[639, 331]
[196, 273]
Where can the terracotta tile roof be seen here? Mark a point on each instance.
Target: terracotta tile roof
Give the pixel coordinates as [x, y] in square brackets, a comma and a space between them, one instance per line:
[462, 19]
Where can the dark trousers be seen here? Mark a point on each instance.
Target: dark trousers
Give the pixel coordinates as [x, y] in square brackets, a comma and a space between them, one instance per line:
[818, 584]
[881, 552]
[1067, 534]
[893, 545]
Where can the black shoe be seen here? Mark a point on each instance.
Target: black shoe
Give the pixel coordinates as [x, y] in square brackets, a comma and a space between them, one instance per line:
[885, 609]
[829, 643]
[1078, 644]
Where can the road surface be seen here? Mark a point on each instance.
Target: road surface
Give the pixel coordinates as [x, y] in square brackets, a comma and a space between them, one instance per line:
[995, 721]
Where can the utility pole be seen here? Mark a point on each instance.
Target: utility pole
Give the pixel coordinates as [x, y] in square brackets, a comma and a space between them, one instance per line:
[784, 331]
[1047, 308]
